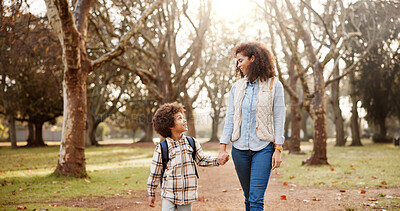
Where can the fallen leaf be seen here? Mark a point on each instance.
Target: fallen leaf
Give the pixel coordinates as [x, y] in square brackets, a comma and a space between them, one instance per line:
[315, 199]
[363, 191]
[86, 180]
[342, 191]
[374, 177]
[202, 199]
[109, 188]
[321, 183]
[56, 191]
[127, 177]
[332, 169]
[75, 205]
[20, 207]
[224, 190]
[283, 197]
[383, 182]
[53, 205]
[284, 184]
[291, 177]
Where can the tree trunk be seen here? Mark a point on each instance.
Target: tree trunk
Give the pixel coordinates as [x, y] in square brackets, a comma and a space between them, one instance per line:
[214, 128]
[91, 131]
[318, 156]
[295, 114]
[39, 135]
[189, 115]
[355, 127]
[134, 134]
[340, 141]
[304, 125]
[148, 134]
[12, 131]
[71, 161]
[163, 80]
[31, 135]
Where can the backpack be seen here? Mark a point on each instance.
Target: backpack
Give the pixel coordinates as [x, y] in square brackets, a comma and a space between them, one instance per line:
[165, 156]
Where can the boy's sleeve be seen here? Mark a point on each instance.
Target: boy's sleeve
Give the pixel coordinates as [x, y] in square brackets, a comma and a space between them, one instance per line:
[155, 172]
[203, 159]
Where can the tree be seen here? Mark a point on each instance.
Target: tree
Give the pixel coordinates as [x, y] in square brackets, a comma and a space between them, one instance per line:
[102, 101]
[31, 72]
[374, 82]
[71, 28]
[167, 51]
[302, 22]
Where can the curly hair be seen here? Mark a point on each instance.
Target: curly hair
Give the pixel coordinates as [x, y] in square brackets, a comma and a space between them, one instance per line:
[164, 120]
[263, 65]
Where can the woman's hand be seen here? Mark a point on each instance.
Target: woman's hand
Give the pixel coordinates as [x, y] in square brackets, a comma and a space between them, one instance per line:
[276, 159]
[223, 156]
[151, 201]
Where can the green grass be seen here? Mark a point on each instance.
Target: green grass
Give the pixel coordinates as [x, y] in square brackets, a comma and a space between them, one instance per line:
[25, 175]
[350, 167]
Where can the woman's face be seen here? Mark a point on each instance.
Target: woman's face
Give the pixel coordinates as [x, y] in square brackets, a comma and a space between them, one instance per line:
[243, 62]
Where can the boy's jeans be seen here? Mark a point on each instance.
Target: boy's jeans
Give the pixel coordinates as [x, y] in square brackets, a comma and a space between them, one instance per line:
[167, 205]
[253, 169]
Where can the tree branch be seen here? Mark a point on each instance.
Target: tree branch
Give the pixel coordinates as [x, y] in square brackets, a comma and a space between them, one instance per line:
[122, 44]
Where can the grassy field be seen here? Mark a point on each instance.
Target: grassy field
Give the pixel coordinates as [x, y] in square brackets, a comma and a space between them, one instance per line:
[120, 171]
[372, 165]
[24, 175]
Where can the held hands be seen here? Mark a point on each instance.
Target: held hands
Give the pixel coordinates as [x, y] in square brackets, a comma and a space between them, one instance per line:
[151, 201]
[223, 157]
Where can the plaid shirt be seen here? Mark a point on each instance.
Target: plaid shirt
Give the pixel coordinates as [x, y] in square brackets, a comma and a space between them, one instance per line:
[179, 180]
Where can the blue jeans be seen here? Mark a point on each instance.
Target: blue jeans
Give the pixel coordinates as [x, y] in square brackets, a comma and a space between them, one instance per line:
[253, 169]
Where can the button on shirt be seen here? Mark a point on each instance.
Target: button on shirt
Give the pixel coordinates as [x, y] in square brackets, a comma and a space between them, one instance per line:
[248, 139]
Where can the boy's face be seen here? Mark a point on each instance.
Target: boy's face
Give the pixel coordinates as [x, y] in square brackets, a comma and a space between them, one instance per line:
[180, 124]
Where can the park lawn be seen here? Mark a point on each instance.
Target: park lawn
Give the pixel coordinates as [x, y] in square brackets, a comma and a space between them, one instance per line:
[372, 165]
[26, 180]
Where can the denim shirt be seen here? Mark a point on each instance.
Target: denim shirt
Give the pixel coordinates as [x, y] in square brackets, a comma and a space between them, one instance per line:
[248, 139]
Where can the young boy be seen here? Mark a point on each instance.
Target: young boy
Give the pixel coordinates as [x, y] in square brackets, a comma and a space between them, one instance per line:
[179, 182]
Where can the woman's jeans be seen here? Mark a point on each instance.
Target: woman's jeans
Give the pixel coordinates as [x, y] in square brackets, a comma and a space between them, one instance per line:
[253, 169]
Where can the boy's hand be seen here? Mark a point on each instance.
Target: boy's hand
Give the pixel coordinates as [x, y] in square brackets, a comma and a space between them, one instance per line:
[223, 157]
[151, 201]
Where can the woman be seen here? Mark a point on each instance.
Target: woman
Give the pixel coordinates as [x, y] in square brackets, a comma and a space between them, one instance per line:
[254, 121]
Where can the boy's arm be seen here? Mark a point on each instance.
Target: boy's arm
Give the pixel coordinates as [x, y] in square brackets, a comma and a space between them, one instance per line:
[155, 172]
[203, 159]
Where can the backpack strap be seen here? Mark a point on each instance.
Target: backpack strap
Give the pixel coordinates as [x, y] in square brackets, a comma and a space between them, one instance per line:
[165, 157]
[193, 145]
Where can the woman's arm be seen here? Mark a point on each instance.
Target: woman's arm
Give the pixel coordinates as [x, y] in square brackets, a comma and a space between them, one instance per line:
[228, 127]
[279, 124]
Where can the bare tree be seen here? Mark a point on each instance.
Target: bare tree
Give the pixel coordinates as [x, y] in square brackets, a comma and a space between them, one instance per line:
[299, 23]
[71, 28]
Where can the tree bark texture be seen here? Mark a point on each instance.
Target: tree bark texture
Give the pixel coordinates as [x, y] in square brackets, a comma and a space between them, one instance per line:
[295, 114]
[12, 131]
[318, 156]
[339, 122]
[355, 127]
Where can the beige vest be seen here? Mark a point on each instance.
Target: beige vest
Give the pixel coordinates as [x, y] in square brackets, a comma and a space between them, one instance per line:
[264, 109]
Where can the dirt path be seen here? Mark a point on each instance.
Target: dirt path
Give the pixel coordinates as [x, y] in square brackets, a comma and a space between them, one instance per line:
[219, 189]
